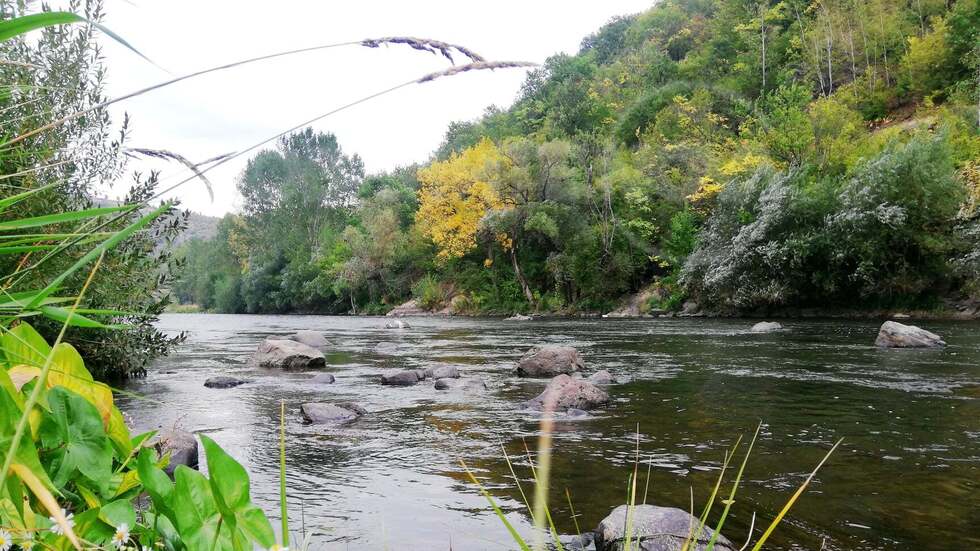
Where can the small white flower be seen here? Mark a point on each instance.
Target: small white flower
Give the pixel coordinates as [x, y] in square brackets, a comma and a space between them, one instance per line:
[6, 541]
[121, 536]
[277, 547]
[69, 517]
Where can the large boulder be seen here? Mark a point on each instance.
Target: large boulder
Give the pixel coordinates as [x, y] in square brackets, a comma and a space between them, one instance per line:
[654, 528]
[460, 384]
[181, 445]
[223, 381]
[442, 372]
[288, 354]
[766, 327]
[564, 392]
[410, 308]
[896, 335]
[314, 339]
[319, 413]
[400, 378]
[548, 361]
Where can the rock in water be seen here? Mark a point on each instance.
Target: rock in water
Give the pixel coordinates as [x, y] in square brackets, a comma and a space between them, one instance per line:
[331, 414]
[181, 445]
[601, 378]
[564, 392]
[314, 339]
[654, 529]
[223, 381]
[397, 324]
[400, 378]
[460, 384]
[519, 317]
[442, 372]
[766, 327]
[288, 354]
[548, 361]
[323, 379]
[896, 335]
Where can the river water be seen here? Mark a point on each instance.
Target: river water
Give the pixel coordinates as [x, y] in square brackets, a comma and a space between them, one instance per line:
[906, 476]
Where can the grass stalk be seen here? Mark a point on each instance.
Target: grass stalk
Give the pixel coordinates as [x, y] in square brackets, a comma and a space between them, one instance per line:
[792, 500]
[283, 511]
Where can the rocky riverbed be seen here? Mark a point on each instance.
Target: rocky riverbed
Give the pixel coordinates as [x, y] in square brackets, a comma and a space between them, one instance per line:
[692, 385]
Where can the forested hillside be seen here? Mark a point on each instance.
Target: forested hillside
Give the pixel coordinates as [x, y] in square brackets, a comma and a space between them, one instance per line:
[743, 154]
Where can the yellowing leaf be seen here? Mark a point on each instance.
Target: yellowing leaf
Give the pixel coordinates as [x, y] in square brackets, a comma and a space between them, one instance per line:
[46, 499]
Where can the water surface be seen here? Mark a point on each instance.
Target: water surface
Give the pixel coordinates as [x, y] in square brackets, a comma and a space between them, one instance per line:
[906, 477]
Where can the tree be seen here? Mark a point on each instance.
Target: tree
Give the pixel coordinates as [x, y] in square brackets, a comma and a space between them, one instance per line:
[455, 195]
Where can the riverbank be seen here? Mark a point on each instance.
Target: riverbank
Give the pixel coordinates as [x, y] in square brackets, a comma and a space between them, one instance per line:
[949, 310]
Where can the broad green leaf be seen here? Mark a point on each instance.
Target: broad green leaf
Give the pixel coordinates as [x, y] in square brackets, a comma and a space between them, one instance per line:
[118, 512]
[156, 482]
[197, 518]
[7, 385]
[230, 486]
[26, 454]
[33, 480]
[24, 345]
[165, 530]
[74, 433]
[60, 218]
[91, 528]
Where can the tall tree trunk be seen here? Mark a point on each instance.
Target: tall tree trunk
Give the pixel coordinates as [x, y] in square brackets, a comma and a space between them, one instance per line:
[520, 276]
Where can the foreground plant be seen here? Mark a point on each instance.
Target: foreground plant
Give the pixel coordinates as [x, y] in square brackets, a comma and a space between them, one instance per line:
[76, 472]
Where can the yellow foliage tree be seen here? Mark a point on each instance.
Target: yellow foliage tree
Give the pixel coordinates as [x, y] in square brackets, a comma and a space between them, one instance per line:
[454, 196]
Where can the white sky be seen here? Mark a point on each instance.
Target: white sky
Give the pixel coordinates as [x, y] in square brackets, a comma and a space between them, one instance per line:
[231, 110]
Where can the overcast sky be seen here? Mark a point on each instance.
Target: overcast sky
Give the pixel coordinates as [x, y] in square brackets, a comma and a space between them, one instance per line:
[231, 110]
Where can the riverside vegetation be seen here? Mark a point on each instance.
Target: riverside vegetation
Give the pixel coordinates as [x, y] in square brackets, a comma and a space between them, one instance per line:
[744, 155]
[72, 473]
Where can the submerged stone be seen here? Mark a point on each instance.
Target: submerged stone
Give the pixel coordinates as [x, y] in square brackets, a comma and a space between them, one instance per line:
[319, 413]
[223, 381]
[400, 378]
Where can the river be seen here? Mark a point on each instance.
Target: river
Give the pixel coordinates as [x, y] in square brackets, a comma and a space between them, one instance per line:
[906, 476]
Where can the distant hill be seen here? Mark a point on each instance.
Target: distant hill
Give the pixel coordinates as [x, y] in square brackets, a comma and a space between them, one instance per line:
[199, 226]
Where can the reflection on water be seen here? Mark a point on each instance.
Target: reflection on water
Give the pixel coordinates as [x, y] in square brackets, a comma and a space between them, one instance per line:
[906, 477]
